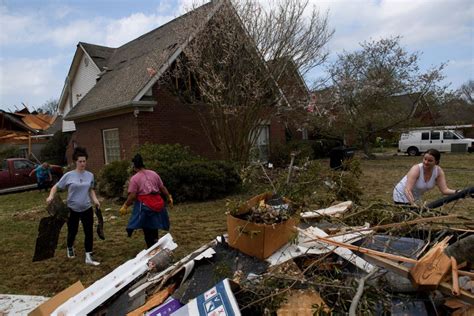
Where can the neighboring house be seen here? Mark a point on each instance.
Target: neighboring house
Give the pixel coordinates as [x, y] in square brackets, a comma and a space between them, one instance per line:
[26, 131]
[115, 98]
[297, 95]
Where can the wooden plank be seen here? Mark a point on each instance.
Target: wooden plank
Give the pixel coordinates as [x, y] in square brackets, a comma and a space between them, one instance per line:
[367, 251]
[153, 301]
[399, 269]
[432, 267]
[303, 303]
[454, 267]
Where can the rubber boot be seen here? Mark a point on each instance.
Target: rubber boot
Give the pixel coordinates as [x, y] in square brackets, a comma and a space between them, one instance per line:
[90, 260]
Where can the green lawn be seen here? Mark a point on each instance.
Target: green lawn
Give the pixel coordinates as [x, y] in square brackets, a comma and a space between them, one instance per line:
[192, 224]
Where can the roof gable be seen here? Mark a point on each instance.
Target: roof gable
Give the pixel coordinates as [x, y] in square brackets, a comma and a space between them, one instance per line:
[127, 74]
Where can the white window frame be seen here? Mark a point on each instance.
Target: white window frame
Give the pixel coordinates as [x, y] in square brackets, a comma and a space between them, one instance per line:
[107, 157]
[261, 145]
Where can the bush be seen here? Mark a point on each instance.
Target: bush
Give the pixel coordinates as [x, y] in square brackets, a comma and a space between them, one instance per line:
[54, 151]
[112, 178]
[9, 152]
[200, 180]
[166, 154]
[280, 154]
[188, 177]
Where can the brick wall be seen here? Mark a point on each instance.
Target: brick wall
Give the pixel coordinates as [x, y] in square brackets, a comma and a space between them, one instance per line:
[171, 122]
[89, 135]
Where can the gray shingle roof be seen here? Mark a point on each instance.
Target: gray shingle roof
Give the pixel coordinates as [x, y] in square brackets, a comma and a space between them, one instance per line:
[127, 65]
[99, 54]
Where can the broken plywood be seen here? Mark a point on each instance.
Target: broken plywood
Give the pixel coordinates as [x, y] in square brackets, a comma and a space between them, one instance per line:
[432, 267]
[335, 210]
[303, 303]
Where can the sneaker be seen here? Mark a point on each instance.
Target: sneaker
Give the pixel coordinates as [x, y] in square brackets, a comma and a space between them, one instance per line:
[90, 260]
[71, 253]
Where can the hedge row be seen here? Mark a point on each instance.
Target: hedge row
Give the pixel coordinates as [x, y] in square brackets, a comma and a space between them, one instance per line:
[188, 177]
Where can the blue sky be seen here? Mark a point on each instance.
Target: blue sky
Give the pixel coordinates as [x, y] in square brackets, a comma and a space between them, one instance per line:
[38, 37]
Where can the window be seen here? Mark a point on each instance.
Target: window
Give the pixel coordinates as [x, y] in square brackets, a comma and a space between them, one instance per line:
[23, 164]
[449, 135]
[111, 145]
[425, 136]
[262, 142]
[435, 135]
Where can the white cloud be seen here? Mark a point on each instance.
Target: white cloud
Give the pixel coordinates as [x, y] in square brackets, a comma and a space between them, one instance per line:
[418, 22]
[126, 29]
[28, 80]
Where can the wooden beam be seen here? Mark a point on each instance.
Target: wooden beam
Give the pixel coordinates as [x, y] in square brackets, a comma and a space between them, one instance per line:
[366, 250]
[399, 269]
[432, 267]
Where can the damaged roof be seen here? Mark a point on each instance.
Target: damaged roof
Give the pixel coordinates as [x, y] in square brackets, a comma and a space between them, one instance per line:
[132, 68]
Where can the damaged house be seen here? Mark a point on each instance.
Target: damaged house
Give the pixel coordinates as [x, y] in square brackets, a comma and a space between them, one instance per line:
[116, 99]
[27, 132]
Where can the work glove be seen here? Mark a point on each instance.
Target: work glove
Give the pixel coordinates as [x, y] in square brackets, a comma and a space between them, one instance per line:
[170, 200]
[124, 210]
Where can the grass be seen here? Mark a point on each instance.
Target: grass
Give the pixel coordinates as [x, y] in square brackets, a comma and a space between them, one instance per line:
[192, 224]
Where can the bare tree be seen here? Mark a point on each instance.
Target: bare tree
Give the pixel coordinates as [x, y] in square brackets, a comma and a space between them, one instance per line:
[225, 69]
[466, 92]
[379, 87]
[49, 107]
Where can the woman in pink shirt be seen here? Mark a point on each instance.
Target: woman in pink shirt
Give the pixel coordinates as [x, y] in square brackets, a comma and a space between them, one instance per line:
[149, 210]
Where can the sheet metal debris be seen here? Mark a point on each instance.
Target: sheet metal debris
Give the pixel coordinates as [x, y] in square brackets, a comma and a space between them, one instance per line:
[87, 300]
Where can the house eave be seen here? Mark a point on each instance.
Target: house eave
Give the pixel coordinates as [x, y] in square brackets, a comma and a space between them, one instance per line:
[123, 107]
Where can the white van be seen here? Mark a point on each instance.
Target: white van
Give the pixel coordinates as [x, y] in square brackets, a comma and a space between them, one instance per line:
[445, 140]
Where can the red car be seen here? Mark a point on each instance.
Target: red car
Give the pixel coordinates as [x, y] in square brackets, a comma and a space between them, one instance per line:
[14, 174]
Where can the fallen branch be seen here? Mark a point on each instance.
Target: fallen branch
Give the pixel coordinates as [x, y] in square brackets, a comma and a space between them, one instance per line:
[360, 291]
[408, 223]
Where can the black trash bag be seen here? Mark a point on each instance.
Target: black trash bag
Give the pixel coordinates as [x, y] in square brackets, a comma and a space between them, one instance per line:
[48, 236]
[49, 229]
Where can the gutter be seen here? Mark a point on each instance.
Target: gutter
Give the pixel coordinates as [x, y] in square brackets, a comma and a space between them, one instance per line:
[118, 106]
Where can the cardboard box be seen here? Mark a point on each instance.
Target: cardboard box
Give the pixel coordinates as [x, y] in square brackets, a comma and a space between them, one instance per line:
[258, 240]
[50, 305]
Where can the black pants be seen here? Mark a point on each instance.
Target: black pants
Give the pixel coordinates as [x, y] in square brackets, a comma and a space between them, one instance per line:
[87, 220]
[151, 236]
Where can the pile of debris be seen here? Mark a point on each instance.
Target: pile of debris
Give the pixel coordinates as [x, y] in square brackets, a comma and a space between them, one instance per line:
[273, 261]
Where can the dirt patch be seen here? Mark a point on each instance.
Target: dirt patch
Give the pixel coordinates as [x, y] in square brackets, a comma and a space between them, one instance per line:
[30, 215]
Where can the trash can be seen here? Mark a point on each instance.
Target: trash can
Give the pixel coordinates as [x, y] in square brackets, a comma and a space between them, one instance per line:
[338, 155]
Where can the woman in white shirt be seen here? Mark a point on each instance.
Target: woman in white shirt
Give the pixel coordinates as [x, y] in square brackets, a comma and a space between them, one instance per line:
[422, 177]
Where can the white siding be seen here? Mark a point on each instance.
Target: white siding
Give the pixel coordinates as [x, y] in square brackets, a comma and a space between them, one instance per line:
[84, 79]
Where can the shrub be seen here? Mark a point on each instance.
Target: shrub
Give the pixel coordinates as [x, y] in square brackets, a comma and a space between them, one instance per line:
[200, 180]
[9, 152]
[188, 177]
[166, 154]
[112, 178]
[55, 149]
[280, 154]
